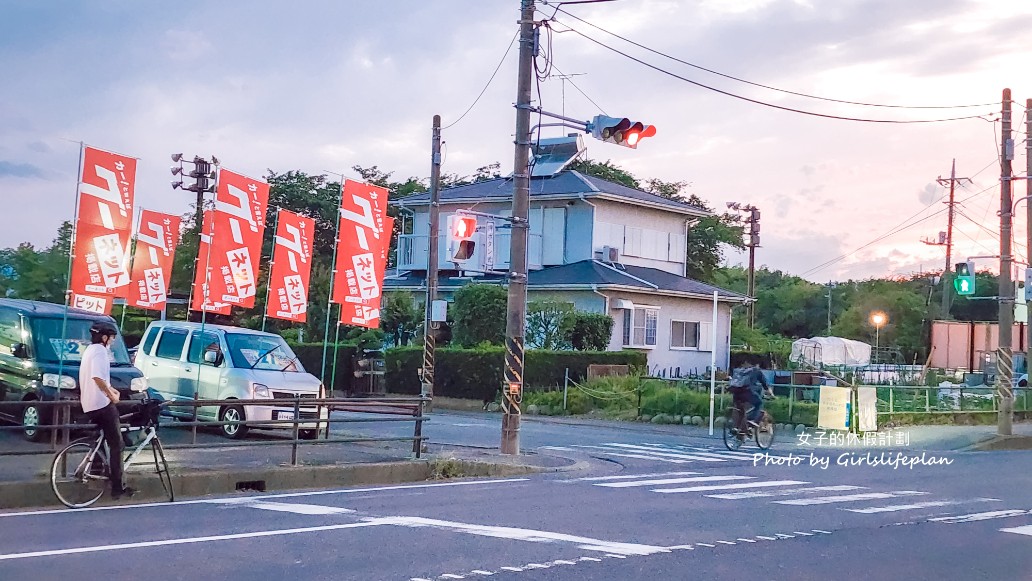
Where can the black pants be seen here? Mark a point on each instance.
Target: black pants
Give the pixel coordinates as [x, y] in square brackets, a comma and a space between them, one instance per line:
[106, 418]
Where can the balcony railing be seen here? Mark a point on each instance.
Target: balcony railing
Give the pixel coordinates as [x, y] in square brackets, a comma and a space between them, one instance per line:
[414, 248]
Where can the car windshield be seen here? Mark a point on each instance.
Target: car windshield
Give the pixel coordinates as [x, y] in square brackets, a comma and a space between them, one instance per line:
[268, 352]
[49, 342]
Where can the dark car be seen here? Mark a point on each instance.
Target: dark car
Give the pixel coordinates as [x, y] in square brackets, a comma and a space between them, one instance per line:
[33, 337]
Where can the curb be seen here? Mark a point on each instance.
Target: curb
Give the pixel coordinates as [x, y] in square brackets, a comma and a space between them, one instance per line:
[1002, 443]
[196, 483]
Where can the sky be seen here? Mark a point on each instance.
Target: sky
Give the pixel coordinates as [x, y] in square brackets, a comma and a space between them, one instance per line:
[321, 86]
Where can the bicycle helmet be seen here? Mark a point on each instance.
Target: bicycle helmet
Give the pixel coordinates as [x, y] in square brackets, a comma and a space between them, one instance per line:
[102, 329]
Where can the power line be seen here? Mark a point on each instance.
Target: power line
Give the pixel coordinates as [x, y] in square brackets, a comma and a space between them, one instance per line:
[475, 101]
[726, 76]
[764, 103]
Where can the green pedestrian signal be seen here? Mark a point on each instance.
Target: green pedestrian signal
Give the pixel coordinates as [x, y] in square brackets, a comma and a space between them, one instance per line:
[964, 278]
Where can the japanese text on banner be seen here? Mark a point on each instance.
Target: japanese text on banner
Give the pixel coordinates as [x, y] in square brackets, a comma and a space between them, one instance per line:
[291, 267]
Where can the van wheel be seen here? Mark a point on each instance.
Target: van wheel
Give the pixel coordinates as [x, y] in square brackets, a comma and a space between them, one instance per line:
[31, 420]
[308, 434]
[233, 413]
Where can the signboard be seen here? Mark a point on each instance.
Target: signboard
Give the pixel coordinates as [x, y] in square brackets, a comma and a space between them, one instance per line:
[833, 409]
[362, 237]
[867, 408]
[291, 267]
[236, 241]
[438, 311]
[156, 240]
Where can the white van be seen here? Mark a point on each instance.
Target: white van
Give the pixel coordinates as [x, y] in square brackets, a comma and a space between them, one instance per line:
[184, 360]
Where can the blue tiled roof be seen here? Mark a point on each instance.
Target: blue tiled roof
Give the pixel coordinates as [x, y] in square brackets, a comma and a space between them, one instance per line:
[589, 273]
[566, 183]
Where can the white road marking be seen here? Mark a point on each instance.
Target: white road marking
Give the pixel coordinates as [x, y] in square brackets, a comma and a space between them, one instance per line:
[963, 518]
[1025, 530]
[629, 476]
[260, 497]
[916, 505]
[482, 572]
[726, 542]
[681, 548]
[561, 448]
[784, 536]
[662, 481]
[642, 456]
[720, 456]
[513, 569]
[804, 534]
[820, 531]
[727, 486]
[705, 545]
[521, 534]
[189, 540]
[667, 453]
[451, 576]
[765, 493]
[537, 566]
[312, 509]
[562, 562]
[596, 560]
[747, 540]
[617, 556]
[766, 538]
[848, 497]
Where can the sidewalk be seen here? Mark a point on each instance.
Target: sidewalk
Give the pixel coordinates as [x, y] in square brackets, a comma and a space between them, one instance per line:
[25, 480]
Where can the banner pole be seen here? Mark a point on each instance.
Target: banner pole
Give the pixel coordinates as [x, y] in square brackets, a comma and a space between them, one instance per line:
[272, 262]
[68, 279]
[333, 273]
[336, 345]
[133, 241]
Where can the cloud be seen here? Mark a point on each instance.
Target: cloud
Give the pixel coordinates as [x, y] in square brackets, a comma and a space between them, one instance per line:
[929, 194]
[20, 170]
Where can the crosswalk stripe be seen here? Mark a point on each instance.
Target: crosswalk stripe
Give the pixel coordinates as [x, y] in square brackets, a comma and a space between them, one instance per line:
[718, 454]
[727, 486]
[916, 505]
[977, 516]
[666, 454]
[639, 456]
[848, 497]
[759, 494]
[630, 476]
[1025, 530]
[661, 481]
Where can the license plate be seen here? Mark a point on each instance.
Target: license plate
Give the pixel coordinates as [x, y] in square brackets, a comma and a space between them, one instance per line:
[286, 415]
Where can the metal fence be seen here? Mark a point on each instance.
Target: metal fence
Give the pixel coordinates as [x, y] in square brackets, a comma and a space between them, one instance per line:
[382, 410]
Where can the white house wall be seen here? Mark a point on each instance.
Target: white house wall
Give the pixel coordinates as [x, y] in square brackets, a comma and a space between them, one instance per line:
[645, 236]
[663, 359]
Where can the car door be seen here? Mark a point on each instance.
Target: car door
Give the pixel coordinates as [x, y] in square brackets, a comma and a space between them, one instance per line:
[200, 376]
[164, 366]
[15, 377]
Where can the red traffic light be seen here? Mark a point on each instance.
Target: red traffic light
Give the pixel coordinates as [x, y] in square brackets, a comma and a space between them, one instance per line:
[463, 227]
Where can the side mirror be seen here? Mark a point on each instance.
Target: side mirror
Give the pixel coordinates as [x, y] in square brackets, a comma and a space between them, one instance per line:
[213, 358]
[20, 350]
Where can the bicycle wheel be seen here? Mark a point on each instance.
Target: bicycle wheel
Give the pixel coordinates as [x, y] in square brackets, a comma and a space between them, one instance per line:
[731, 438]
[161, 465]
[765, 432]
[77, 475]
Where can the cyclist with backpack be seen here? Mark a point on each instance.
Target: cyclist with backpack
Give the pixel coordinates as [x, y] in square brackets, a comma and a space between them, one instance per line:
[747, 385]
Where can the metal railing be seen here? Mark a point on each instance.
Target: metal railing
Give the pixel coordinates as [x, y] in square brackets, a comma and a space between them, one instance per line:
[381, 410]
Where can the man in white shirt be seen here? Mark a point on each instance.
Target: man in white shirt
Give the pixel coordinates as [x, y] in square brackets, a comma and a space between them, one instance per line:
[98, 398]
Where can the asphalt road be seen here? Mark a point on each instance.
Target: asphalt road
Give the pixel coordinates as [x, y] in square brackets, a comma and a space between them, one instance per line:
[652, 506]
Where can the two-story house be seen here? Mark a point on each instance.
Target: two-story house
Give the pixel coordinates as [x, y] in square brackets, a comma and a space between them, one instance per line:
[599, 245]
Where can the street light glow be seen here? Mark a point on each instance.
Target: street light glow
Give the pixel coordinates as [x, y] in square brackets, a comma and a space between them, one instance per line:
[878, 318]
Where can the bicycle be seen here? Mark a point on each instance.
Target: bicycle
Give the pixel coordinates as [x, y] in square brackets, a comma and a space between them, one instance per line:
[79, 473]
[735, 436]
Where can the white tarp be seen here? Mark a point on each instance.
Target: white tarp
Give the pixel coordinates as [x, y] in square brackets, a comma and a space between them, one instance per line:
[831, 351]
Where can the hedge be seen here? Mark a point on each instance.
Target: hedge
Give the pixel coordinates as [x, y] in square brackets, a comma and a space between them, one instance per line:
[311, 355]
[477, 373]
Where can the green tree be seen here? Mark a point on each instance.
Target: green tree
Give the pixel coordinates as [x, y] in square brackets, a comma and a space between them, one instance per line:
[399, 318]
[28, 273]
[548, 325]
[607, 171]
[479, 313]
[590, 331]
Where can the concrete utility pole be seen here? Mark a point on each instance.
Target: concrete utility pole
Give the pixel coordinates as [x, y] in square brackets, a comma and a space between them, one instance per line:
[429, 326]
[754, 242]
[1004, 355]
[517, 300]
[1028, 222]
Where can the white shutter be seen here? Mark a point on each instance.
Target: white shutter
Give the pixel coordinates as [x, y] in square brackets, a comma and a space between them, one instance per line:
[553, 240]
[705, 336]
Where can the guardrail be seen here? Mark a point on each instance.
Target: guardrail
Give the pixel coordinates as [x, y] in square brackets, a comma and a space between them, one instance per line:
[396, 409]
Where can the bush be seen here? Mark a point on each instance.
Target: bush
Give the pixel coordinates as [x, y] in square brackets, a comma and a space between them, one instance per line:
[479, 313]
[311, 355]
[589, 331]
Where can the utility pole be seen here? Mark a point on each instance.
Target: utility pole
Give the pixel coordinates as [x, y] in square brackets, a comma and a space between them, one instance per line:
[947, 295]
[429, 326]
[831, 286]
[517, 300]
[754, 242]
[1004, 355]
[1028, 222]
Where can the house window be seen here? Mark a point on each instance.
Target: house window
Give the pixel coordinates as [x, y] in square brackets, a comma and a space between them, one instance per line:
[684, 335]
[639, 329]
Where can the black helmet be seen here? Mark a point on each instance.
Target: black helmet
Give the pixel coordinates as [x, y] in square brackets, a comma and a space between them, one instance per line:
[103, 328]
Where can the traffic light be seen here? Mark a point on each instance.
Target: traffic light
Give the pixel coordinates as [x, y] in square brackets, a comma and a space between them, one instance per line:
[964, 278]
[461, 238]
[620, 131]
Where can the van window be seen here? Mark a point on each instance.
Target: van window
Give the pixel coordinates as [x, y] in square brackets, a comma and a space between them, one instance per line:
[55, 339]
[201, 342]
[148, 341]
[171, 344]
[10, 330]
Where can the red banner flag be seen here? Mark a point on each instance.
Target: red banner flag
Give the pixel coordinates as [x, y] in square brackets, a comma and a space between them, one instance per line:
[156, 241]
[291, 267]
[201, 287]
[372, 311]
[356, 286]
[236, 244]
[103, 225]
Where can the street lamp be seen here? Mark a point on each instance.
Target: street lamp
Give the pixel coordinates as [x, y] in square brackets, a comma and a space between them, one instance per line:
[878, 319]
